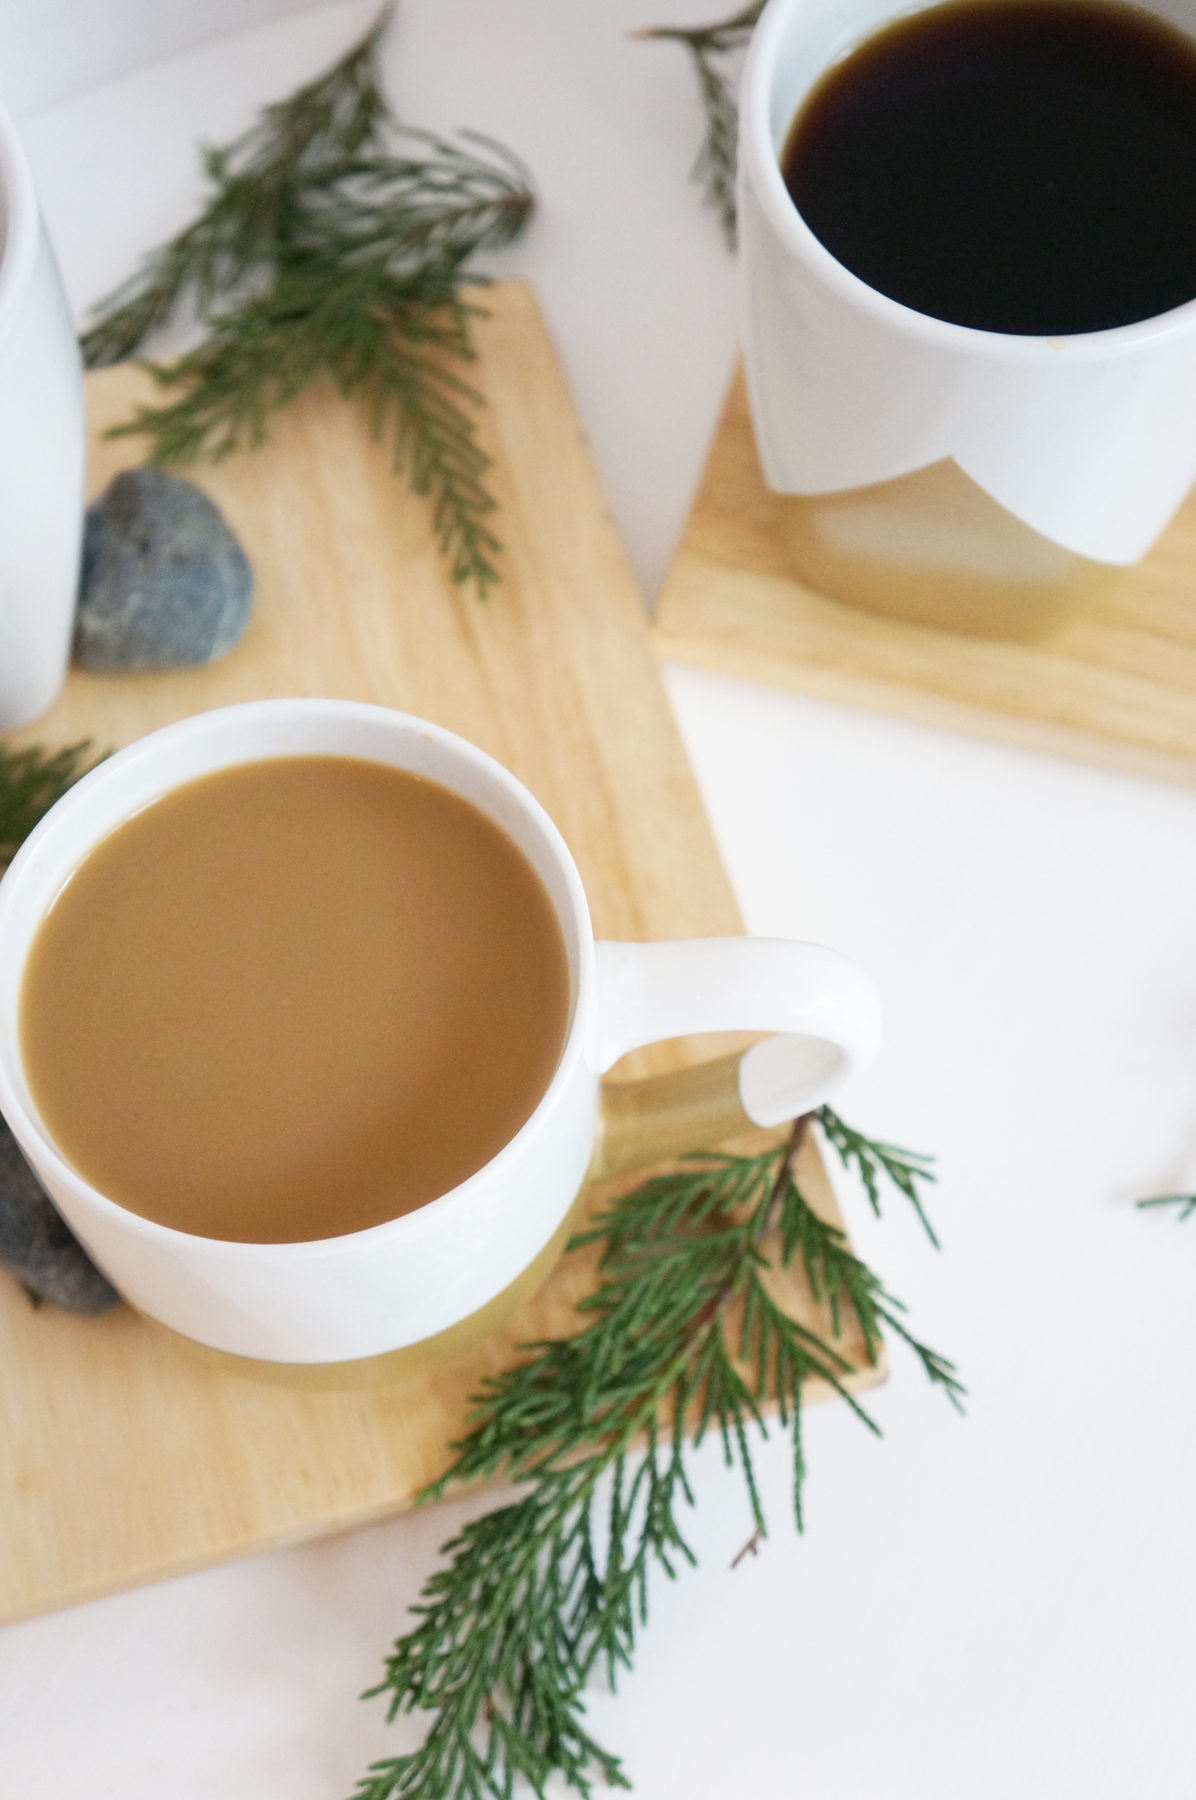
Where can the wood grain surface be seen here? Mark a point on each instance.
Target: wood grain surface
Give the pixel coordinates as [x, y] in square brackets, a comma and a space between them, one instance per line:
[1116, 686]
[125, 1454]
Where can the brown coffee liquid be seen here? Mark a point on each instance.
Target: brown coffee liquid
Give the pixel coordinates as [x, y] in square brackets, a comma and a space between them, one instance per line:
[1023, 166]
[293, 999]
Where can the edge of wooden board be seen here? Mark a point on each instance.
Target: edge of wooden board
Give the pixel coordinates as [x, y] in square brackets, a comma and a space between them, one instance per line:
[1115, 688]
[297, 1422]
[842, 687]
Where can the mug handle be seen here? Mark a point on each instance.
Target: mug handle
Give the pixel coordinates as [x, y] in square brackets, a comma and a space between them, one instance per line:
[825, 1009]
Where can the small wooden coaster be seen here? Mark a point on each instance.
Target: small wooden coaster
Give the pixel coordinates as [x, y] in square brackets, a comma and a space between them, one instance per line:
[1115, 687]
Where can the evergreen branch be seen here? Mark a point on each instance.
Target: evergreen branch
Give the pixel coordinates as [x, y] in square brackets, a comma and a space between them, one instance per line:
[680, 1338]
[938, 1370]
[396, 354]
[904, 1168]
[333, 243]
[1185, 1202]
[30, 782]
[329, 121]
[709, 46]
[431, 208]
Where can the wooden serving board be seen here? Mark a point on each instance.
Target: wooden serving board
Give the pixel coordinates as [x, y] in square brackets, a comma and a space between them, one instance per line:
[1116, 686]
[126, 1455]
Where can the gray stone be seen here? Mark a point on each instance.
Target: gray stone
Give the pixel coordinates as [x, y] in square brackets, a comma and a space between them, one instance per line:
[164, 583]
[37, 1244]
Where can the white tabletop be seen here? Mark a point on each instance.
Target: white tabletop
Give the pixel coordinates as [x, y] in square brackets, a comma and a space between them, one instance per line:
[981, 1607]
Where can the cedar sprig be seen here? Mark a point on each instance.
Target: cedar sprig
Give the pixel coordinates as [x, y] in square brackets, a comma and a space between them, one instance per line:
[31, 781]
[1186, 1203]
[681, 1338]
[872, 1160]
[252, 209]
[334, 242]
[714, 51]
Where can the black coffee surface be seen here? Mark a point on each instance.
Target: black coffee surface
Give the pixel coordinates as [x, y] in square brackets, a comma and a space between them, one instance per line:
[1024, 166]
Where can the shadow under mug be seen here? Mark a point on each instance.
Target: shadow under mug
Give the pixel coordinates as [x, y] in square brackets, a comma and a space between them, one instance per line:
[440, 1276]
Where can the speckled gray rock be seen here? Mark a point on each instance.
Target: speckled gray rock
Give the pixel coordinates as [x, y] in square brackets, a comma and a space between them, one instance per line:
[37, 1244]
[164, 583]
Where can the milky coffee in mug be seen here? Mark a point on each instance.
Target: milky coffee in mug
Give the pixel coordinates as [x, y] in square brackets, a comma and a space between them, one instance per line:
[293, 999]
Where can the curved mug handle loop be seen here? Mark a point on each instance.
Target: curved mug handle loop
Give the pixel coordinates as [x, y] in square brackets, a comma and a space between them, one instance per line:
[825, 1009]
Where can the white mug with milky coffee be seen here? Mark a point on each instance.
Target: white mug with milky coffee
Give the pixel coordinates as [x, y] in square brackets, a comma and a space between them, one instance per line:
[450, 1263]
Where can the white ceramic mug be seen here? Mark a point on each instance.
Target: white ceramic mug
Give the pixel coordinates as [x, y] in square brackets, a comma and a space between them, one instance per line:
[973, 479]
[419, 1276]
[42, 451]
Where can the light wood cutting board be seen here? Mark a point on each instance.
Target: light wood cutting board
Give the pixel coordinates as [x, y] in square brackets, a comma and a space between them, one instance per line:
[125, 1456]
[1116, 686]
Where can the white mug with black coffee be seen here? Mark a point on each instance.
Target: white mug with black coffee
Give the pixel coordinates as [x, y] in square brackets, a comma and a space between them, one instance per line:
[969, 277]
[302, 1025]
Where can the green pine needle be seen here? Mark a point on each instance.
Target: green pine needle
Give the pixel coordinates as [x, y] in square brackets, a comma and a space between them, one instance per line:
[712, 49]
[334, 243]
[681, 1338]
[871, 1160]
[1185, 1202]
[30, 782]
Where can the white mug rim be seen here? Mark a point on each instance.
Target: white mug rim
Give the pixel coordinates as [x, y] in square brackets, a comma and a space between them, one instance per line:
[431, 1216]
[760, 166]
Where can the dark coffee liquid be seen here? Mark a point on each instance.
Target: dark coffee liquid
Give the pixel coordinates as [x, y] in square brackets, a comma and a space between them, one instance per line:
[1024, 166]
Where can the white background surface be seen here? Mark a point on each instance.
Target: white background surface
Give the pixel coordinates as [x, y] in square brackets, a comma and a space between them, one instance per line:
[980, 1608]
